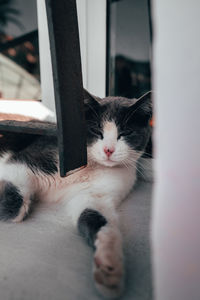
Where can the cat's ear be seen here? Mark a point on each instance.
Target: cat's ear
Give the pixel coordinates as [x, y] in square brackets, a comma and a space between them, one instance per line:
[141, 110]
[90, 99]
[91, 105]
[145, 103]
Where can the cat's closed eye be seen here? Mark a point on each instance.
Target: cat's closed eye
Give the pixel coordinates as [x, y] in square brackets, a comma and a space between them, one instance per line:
[96, 132]
[125, 133]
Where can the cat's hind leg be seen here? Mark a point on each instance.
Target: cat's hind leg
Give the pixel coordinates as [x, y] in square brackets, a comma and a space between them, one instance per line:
[104, 236]
[16, 189]
[13, 206]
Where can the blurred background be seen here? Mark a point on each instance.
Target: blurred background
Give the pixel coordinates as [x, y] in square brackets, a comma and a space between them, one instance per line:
[127, 47]
[19, 57]
[129, 41]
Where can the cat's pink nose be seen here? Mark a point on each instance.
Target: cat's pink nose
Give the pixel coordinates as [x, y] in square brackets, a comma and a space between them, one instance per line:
[109, 151]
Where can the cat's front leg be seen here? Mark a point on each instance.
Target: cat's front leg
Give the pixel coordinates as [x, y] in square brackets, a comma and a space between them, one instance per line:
[102, 233]
[108, 267]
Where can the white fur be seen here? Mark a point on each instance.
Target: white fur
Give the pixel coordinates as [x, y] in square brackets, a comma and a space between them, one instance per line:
[104, 189]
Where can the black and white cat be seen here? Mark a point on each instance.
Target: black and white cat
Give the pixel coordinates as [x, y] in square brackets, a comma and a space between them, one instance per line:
[117, 132]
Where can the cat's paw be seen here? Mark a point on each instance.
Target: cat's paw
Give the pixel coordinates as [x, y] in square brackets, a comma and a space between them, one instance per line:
[23, 212]
[108, 263]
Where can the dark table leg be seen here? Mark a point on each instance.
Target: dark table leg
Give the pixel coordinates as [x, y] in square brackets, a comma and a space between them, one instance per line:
[66, 63]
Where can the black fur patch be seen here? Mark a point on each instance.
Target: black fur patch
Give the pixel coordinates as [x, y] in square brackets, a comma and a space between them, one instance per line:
[10, 201]
[15, 142]
[89, 223]
[40, 155]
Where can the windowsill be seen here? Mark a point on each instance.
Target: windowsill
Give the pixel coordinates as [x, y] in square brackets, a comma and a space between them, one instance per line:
[25, 110]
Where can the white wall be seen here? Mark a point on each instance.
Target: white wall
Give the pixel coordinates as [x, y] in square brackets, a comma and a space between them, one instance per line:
[176, 221]
[46, 74]
[92, 28]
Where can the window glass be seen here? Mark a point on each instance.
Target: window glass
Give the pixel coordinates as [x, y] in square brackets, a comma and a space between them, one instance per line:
[128, 48]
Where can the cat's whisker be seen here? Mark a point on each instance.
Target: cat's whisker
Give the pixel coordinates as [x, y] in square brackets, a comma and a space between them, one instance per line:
[127, 166]
[138, 169]
[133, 164]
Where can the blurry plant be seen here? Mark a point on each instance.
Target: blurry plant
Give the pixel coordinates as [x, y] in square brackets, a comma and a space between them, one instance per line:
[8, 14]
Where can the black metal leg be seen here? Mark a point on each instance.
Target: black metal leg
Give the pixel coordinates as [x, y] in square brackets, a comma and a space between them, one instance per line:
[66, 62]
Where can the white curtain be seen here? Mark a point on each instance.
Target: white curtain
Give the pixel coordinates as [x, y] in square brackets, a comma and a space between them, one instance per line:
[176, 212]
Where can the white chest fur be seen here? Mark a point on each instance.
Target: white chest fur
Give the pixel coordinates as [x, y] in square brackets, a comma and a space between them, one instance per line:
[95, 180]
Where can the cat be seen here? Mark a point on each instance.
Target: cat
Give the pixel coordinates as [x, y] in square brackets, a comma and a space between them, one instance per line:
[118, 130]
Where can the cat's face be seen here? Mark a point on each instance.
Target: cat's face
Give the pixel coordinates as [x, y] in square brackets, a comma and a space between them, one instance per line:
[117, 129]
